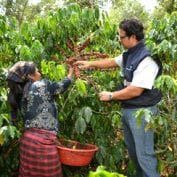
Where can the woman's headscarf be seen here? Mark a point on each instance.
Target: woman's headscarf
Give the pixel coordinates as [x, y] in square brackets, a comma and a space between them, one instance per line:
[19, 71]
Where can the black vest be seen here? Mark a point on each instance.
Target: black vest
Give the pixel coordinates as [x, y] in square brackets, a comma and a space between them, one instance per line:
[131, 60]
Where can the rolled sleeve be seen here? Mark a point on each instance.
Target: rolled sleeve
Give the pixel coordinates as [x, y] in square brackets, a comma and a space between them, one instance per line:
[118, 60]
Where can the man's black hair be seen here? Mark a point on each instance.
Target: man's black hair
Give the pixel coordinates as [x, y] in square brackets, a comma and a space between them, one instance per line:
[132, 27]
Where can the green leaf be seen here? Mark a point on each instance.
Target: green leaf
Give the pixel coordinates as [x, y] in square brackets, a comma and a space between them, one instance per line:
[160, 120]
[139, 114]
[97, 13]
[12, 131]
[80, 125]
[148, 115]
[166, 83]
[36, 49]
[25, 53]
[4, 117]
[1, 139]
[1, 121]
[81, 88]
[87, 113]
[61, 71]
[4, 132]
[102, 172]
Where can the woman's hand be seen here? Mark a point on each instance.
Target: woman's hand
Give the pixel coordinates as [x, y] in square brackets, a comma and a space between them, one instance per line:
[70, 71]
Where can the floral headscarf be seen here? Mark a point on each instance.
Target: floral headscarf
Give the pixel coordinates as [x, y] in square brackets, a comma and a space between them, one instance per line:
[20, 70]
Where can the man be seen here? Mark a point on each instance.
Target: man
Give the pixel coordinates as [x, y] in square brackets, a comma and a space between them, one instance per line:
[140, 72]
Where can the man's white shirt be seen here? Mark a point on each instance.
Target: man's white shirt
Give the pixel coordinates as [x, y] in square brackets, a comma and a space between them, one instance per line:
[144, 75]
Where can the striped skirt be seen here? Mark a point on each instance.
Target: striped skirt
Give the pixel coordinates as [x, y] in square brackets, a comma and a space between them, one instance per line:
[39, 155]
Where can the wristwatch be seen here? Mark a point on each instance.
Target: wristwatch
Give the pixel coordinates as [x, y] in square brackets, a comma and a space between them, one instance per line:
[110, 96]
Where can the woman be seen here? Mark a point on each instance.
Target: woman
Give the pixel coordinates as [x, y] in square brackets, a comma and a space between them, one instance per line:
[34, 97]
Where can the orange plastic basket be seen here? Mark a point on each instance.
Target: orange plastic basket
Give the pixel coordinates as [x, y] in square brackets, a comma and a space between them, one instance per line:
[75, 154]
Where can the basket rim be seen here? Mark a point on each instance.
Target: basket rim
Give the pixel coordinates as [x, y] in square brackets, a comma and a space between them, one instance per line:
[94, 147]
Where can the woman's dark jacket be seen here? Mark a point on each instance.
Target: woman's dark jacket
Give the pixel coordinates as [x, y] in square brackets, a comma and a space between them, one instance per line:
[38, 107]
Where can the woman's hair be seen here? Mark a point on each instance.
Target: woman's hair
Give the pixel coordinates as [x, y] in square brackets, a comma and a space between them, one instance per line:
[17, 80]
[132, 27]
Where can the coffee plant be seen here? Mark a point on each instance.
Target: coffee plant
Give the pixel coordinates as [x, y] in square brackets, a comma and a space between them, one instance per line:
[73, 33]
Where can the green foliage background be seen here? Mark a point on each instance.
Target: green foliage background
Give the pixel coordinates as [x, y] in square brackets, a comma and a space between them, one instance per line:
[82, 116]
